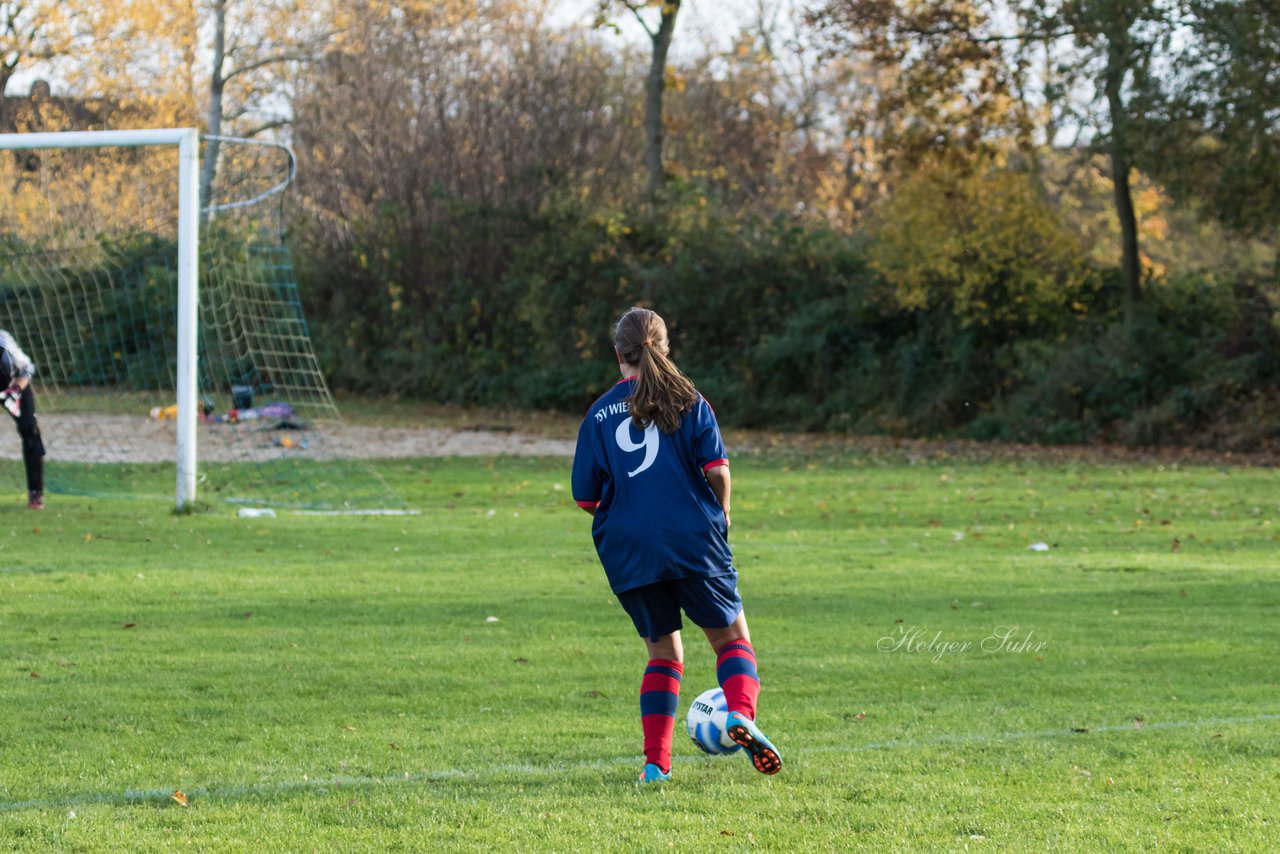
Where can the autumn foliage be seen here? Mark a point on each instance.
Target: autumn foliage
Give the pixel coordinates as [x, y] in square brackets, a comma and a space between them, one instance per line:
[891, 217]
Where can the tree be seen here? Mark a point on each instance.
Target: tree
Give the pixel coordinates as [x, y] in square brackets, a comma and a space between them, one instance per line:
[984, 245]
[945, 90]
[965, 82]
[111, 64]
[33, 32]
[656, 82]
[253, 43]
[767, 125]
[1121, 39]
[1215, 140]
[436, 147]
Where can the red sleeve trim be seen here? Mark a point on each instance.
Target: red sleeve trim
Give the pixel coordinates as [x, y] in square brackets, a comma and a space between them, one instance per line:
[715, 463]
[588, 505]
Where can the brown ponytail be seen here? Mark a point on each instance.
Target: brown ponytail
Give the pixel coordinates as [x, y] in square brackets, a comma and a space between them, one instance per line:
[662, 394]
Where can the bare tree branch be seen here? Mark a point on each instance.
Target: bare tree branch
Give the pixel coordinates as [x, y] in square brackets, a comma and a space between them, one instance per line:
[635, 10]
[265, 61]
[274, 124]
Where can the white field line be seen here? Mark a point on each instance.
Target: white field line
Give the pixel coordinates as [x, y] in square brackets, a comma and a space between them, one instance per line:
[389, 512]
[132, 796]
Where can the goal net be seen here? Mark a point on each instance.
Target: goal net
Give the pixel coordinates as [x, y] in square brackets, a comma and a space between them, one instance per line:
[90, 257]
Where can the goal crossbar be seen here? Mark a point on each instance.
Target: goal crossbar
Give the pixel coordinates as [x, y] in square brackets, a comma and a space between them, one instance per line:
[187, 141]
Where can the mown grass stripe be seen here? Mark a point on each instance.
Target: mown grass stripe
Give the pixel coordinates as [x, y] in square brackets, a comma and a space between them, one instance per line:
[525, 769]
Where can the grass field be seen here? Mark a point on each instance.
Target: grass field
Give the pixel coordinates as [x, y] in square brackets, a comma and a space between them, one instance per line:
[334, 683]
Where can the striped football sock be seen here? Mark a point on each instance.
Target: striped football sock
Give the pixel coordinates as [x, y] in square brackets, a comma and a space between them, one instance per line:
[659, 697]
[736, 671]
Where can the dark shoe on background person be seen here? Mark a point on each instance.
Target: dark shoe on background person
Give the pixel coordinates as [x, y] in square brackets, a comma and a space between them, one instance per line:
[35, 501]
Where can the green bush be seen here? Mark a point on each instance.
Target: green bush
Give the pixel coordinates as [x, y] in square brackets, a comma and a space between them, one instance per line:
[1197, 360]
[781, 323]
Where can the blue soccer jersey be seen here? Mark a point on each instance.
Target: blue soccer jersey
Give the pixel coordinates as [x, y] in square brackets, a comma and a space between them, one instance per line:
[656, 516]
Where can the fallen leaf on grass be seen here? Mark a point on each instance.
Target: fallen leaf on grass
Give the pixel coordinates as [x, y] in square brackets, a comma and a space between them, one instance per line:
[348, 727]
[726, 832]
[35, 675]
[181, 797]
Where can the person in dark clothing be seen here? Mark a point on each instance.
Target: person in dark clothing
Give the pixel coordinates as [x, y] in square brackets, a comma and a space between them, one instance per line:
[19, 400]
[661, 528]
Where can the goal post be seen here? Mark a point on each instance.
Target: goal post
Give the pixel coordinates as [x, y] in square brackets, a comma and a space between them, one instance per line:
[155, 316]
[188, 144]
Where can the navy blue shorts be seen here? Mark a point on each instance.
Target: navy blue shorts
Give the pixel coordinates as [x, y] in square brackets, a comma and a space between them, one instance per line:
[710, 603]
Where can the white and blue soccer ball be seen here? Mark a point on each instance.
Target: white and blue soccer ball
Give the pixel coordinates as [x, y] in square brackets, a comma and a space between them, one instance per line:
[706, 723]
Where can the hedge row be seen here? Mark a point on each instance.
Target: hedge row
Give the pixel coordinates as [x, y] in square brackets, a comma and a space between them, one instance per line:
[782, 324]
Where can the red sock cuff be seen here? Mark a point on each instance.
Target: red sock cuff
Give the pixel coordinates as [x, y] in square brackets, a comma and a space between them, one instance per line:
[667, 662]
[740, 645]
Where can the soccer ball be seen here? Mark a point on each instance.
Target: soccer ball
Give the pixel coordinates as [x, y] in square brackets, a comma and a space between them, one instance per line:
[706, 723]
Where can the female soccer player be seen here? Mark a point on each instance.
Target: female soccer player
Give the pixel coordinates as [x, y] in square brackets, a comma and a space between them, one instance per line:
[650, 467]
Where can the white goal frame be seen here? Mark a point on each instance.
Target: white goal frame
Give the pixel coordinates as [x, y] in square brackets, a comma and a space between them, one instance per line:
[188, 142]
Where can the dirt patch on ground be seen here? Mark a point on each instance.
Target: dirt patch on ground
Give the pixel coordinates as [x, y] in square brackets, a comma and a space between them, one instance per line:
[132, 439]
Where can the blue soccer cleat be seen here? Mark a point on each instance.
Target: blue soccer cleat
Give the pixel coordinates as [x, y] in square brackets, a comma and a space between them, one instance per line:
[653, 774]
[744, 732]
